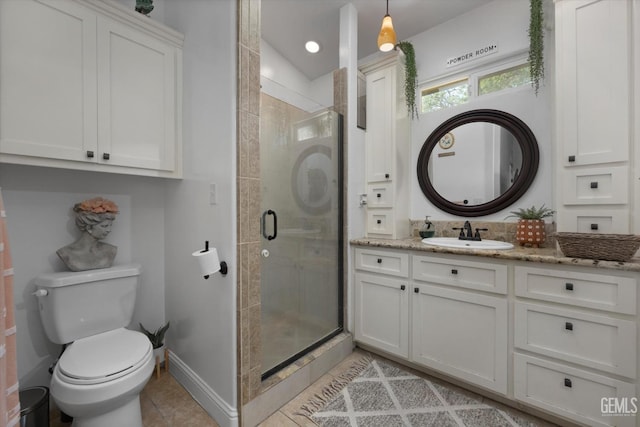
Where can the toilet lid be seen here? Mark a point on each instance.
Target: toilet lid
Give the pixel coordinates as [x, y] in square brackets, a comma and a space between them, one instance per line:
[104, 357]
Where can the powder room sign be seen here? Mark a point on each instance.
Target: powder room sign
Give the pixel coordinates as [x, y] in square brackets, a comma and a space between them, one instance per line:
[470, 55]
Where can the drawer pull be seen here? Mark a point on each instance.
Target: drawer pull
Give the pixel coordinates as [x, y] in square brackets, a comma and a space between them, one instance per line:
[572, 158]
[105, 156]
[567, 382]
[594, 184]
[90, 154]
[386, 175]
[454, 271]
[379, 221]
[568, 326]
[378, 195]
[594, 226]
[379, 260]
[403, 287]
[568, 286]
[416, 290]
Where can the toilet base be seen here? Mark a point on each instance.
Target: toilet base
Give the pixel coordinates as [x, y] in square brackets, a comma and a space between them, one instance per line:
[128, 415]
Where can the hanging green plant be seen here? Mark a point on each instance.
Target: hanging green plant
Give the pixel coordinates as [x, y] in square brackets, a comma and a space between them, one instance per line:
[536, 44]
[411, 77]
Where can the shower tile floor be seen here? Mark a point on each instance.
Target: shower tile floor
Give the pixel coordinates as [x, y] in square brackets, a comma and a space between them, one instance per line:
[165, 403]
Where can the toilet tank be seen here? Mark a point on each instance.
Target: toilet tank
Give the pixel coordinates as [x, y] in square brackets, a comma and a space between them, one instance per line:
[76, 305]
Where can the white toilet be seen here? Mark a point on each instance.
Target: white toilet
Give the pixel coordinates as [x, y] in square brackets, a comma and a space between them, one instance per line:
[99, 376]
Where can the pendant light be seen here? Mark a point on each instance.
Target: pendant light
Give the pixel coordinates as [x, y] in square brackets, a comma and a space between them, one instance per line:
[387, 36]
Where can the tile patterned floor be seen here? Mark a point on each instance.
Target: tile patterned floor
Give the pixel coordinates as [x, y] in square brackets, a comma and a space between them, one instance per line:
[480, 411]
[166, 404]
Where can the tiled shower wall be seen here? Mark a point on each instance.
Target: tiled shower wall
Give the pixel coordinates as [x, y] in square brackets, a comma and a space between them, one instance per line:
[248, 199]
[249, 351]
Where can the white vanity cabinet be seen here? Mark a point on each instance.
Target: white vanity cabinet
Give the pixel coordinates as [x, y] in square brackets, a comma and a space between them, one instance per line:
[387, 149]
[455, 329]
[456, 310]
[595, 104]
[89, 85]
[382, 300]
[575, 339]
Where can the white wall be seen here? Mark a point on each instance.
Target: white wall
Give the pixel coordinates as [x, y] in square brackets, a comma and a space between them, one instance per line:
[38, 202]
[504, 22]
[161, 222]
[203, 312]
[280, 79]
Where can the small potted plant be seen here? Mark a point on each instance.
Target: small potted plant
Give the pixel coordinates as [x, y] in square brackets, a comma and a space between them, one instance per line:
[531, 229]
[157, 340]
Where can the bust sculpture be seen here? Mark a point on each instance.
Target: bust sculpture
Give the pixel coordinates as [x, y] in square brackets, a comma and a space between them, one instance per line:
[94, 218]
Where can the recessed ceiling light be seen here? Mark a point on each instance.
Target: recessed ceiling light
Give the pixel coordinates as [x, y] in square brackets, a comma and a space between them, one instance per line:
[312, 47]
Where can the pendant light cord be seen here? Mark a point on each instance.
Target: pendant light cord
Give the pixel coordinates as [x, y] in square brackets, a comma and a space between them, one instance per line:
[387, 8]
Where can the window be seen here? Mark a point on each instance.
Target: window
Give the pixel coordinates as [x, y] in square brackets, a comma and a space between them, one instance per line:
[497, 76]
[445, 95]
[504, 79]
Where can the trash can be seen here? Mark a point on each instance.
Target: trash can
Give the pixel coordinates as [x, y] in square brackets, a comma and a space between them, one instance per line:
[34, 407]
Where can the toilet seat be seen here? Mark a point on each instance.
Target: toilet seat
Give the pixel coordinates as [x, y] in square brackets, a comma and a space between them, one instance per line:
[104, 357]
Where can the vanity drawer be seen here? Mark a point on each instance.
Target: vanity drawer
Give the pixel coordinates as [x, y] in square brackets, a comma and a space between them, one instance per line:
[380, 195]
[593, 341]
[609, 221]
[596, 186]
[482, 276]
[380, 221]
[391, 263]
[599, 291]
[570, 392]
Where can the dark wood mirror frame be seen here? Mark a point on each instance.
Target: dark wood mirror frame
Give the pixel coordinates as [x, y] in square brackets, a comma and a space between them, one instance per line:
[530, 157]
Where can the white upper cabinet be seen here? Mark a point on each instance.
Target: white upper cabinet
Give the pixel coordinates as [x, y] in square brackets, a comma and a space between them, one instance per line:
[595, 105]
[48, 105]
[89, 85]
[594, 40]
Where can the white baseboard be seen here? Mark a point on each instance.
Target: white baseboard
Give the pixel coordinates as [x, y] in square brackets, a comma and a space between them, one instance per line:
[224, 414]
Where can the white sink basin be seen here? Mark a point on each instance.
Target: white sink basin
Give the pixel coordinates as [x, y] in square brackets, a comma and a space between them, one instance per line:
[454, 242]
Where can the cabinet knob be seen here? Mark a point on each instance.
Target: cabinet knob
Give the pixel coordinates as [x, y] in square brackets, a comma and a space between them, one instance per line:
[403, 287]
[594, 184]
[105, 156]
[378, 195]
[454, 271]
[386, 175]
[567, 382]
[90, 154]
[568, 326]
[572, 158]
[416, 290]
[379, 221]
[594, 226]
[379, 260]
[568, 286]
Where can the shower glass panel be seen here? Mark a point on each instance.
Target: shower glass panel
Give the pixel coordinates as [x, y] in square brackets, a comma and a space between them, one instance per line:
[301, 224]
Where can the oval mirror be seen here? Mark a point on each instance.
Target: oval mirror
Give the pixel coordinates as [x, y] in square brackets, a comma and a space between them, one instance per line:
[478, 162]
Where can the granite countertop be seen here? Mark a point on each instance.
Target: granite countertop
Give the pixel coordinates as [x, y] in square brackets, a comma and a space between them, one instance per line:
[540, 255]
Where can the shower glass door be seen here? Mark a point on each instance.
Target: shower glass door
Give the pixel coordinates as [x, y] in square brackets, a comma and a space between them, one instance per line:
[301, 224]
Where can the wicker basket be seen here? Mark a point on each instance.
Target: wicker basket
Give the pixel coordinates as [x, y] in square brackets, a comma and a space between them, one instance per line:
[608, 247]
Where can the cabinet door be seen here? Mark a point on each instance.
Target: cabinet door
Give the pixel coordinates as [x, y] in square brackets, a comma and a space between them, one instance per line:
[381, 100]
[47, 79]
[382, 313]
[136, 98]
[463, 334]
[594, 88]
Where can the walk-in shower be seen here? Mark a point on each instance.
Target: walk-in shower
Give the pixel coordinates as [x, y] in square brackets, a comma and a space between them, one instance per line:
[301, 225]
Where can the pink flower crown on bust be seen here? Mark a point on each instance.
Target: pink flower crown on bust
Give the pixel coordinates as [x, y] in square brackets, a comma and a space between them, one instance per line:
[96, 205]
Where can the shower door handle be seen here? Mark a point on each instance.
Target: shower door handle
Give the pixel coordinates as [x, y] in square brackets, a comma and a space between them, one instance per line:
[264, 224]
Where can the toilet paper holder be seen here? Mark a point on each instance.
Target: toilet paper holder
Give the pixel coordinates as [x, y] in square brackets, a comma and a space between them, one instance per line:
[223, 265]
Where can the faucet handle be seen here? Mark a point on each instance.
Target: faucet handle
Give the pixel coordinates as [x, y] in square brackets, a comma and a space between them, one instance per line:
[478, 230]
[461, 231]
